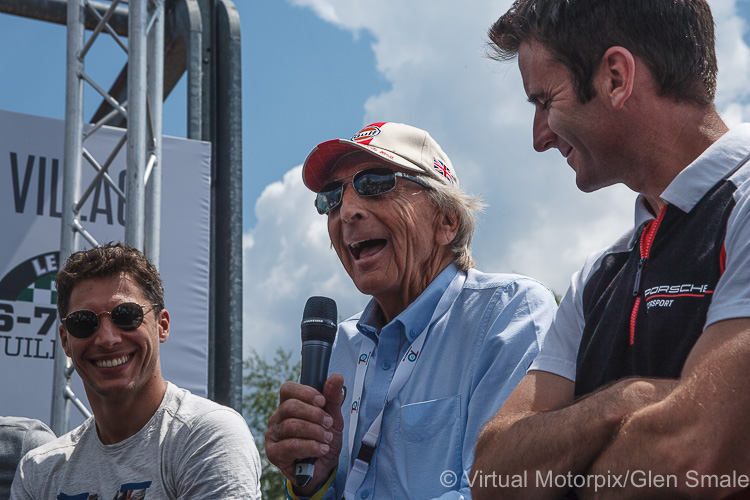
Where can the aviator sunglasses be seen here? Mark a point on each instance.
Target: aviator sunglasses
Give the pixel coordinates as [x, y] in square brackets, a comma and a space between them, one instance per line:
[367, 182]
[84, 323]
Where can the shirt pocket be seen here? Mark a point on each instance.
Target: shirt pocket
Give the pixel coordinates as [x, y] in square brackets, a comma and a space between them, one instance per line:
[423, 420]
[427, 443]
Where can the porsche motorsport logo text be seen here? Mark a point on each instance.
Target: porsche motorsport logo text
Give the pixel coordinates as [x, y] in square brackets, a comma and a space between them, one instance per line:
[665, 295]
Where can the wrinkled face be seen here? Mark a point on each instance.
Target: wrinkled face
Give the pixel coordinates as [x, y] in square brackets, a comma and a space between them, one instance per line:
[387, 243]
[114, 363]
[579, 131]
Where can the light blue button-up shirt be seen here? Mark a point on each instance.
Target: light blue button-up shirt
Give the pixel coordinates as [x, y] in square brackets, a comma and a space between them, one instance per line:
[472, 359]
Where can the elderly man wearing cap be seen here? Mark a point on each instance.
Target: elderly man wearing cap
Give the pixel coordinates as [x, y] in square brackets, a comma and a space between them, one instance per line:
[437, 350]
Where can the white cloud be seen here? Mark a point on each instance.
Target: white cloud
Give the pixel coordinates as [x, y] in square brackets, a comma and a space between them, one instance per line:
[288, 259]
[733, 55]
[537, 222]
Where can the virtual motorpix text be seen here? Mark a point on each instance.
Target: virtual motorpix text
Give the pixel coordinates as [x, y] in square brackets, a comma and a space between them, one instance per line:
[610, 480]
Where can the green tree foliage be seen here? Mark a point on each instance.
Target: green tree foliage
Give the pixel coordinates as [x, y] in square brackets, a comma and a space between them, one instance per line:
[261, 385]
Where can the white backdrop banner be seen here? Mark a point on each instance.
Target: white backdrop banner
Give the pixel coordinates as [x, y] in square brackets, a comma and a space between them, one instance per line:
[31, 177]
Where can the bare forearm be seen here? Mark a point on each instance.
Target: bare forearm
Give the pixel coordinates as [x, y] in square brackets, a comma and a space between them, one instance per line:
[695, 440]
[536, 447]
[633, 466]
[548, 446]
[691, 445]
[633, 463]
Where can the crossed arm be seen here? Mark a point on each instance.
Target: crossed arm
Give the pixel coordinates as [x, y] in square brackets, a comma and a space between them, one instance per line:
[689, 428]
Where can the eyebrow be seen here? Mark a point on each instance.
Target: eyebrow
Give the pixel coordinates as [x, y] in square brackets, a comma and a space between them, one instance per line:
[537, 97]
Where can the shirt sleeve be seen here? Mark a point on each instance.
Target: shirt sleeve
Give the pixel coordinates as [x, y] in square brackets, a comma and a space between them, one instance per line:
[33, 434]
[219, 459]
[559, 348]
[18, 489]
[37, 434]
[515, 327]
[732, 295]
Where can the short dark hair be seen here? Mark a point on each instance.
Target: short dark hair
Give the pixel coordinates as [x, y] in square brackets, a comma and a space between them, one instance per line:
[111, 259]
[674, 38]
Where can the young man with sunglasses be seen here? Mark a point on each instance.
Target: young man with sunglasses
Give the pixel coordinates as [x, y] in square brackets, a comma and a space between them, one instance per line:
[436, 351]
[147, 437]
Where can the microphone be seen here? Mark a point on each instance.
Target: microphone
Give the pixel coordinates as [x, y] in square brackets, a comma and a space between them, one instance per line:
[318, 333]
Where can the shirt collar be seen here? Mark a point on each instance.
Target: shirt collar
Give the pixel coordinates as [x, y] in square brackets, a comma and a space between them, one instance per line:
[416, 316]
[695, 180]
[714, 164]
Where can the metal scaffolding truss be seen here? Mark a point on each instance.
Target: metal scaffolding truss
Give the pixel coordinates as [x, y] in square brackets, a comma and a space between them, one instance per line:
[142, 111]
[161, 40]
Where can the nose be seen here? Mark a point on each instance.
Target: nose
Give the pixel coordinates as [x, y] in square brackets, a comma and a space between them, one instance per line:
[544, 137]
[351, 205]
[108, 334]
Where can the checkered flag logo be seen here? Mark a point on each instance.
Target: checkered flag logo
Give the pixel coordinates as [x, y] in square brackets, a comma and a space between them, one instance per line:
[41, 291]
[33, 280]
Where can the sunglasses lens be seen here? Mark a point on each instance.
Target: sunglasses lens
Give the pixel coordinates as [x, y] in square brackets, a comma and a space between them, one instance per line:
[373, 182]
[329, 197]
[82, 324]
[128, 316]
[369, 182]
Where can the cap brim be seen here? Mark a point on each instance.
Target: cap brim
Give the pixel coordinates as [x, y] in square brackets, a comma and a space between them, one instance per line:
[320, 161]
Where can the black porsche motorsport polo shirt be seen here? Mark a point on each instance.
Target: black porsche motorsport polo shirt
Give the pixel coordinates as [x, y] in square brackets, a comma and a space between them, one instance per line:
[638, 307]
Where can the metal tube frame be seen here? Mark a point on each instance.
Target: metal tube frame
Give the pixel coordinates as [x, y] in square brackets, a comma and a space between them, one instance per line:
[202, 38]
[142, 135]
[60, 413]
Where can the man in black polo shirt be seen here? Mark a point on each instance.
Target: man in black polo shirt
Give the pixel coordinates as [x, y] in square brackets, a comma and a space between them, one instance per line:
[640, 389]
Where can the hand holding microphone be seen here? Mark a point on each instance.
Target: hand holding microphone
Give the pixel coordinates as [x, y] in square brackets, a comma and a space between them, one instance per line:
[303, 418]
[318, 333]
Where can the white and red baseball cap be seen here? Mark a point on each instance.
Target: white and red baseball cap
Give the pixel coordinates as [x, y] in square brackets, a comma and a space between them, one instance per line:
[403, 145]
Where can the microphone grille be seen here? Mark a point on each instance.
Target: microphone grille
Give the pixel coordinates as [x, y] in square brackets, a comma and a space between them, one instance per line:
[319, 320]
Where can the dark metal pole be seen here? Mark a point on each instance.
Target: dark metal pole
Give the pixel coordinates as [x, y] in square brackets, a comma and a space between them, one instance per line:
[228, 203]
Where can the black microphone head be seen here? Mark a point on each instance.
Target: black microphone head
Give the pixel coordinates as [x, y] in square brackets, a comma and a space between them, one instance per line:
[319, 320]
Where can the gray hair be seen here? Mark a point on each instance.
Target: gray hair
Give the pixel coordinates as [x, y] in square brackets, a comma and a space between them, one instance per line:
[456, 201]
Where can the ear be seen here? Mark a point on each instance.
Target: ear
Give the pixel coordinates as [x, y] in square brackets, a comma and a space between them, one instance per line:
[616, 76]
[64, 340]
[447, 227]
[162, 323]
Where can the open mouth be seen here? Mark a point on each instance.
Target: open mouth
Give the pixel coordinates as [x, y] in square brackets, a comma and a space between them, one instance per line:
[366, 248]
[111, 363]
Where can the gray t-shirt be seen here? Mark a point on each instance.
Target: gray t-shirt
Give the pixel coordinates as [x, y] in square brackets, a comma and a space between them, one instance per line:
[191, 448]
[18, 436]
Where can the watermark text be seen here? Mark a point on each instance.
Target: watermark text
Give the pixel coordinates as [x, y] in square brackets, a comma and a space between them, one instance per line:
[635, 479]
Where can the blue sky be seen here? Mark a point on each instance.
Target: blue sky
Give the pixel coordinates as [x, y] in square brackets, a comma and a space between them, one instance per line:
[319, 69]
[305, 81]
[300, 73]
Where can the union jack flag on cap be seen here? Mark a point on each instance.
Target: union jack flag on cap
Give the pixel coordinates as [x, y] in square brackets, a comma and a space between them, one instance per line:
[442, 169]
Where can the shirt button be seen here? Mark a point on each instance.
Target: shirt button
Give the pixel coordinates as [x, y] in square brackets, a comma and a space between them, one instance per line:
[365, 494]
[385, 365]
